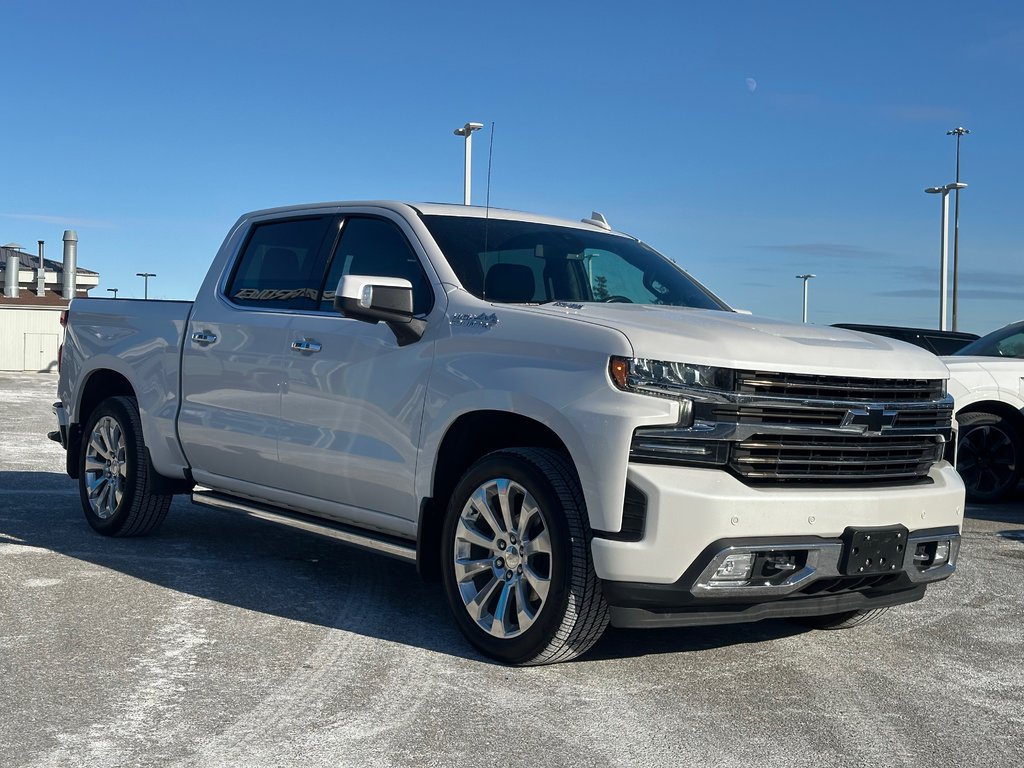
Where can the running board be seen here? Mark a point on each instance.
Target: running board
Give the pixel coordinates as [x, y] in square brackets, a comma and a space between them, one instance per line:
[356, 537]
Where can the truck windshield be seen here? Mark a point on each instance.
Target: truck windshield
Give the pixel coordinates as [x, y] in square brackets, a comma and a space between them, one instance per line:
[528, 262]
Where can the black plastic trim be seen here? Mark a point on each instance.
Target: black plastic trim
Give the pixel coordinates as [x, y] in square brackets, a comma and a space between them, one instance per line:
[624, 617]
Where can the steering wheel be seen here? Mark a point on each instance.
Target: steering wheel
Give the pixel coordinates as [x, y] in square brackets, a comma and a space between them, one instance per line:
[617, 299]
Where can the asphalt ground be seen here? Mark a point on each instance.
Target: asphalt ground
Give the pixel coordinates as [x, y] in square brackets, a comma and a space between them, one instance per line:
[225, 641]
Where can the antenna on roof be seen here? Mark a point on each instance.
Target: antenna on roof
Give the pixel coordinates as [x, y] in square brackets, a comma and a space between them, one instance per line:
[598, 220]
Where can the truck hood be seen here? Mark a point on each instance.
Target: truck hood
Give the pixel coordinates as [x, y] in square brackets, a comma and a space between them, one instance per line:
[736, 340]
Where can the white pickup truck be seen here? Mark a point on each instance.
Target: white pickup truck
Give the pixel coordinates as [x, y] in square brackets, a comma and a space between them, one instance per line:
[550, 417]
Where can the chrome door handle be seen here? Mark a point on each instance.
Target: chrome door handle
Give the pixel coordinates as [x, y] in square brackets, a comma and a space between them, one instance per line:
[306, 345]
[204, 337]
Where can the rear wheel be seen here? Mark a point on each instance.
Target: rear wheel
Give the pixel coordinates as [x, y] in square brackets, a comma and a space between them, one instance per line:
[516, 560]
[845, 620]
[989, 456]
[114, 477]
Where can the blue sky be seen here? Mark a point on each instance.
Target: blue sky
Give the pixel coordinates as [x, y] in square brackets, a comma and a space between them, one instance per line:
[749, 141]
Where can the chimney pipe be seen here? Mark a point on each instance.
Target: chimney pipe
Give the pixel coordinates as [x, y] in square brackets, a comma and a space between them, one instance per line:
[70, 264]
[11, 273]
[41, 277]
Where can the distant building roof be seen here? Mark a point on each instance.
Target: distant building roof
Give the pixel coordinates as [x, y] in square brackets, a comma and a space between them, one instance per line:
[31, 261]
[28, 298]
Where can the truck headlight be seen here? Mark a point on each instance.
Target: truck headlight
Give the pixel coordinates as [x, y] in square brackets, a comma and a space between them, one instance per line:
[668, 379]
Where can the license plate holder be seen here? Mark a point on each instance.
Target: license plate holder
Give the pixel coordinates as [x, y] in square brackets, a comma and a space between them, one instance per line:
[873, 551]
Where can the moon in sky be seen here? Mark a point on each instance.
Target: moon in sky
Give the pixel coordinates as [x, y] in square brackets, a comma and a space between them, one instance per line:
[751, 84]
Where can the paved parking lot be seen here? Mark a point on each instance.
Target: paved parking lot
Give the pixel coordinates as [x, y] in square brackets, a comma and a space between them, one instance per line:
[222, 641]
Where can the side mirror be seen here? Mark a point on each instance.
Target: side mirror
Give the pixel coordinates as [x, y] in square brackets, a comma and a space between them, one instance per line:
[374, 299]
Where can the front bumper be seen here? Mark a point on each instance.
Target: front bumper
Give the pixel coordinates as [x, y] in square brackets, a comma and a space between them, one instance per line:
[689, 509]
[818, 586]
[695, 518]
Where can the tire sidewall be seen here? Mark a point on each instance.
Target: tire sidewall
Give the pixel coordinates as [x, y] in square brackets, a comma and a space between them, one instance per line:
[535, 639]
[118, 409]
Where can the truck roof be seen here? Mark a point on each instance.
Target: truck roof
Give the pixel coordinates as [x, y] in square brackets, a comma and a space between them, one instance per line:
[442, 209]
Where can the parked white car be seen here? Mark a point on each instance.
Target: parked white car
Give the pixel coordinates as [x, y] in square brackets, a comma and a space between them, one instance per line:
[987, 384]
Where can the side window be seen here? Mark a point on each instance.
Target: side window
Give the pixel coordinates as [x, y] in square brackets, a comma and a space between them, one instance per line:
[276, 269]
[377, 247]
[1011, 346]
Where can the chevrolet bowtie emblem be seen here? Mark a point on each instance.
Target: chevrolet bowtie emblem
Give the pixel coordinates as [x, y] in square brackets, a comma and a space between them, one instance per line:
[872, 420]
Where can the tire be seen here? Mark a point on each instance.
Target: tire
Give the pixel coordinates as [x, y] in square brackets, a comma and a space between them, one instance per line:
[845, 620]
[989, 456]
[114, 474]
[516, 561]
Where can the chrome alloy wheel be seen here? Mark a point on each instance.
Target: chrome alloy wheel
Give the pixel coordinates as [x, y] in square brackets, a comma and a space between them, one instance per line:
[105, 471]
[503, 561]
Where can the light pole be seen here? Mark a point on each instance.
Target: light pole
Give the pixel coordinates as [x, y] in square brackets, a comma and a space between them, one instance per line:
[467, 131]
[958, 132]
[113, 291]
[805, 278]
[145, 276]
[943, 246]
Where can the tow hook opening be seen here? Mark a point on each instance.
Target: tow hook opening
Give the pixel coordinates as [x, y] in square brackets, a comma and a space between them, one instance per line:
[929, 554]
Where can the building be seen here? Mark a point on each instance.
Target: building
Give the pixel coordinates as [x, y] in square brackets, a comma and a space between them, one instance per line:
[35, 291]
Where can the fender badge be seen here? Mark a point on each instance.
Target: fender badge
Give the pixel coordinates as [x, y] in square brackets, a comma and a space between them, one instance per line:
[483, 320]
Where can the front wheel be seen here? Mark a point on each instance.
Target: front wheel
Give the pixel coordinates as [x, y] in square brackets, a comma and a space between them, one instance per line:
[988, 456]
[516, 560]
[114, 477]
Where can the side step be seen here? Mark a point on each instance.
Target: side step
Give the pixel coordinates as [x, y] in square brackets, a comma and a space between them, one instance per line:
[356, 537]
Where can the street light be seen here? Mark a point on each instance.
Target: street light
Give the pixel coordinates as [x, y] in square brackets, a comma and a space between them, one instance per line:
[467, 131]
[113, 291]
[145, 276]
[805, 278]
[958, 132]
[943, 245]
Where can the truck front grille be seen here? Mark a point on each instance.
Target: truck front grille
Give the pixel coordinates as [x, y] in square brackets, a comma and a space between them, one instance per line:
[804, 428]
[797, 457]
[811, 386]
[937, 418]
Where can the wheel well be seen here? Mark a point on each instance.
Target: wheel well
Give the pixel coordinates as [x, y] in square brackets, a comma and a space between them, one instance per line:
[99, 386]
[1004, 410]
[470, 437]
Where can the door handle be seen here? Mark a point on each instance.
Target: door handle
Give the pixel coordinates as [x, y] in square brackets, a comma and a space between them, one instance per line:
[204, 337]
[306, 345]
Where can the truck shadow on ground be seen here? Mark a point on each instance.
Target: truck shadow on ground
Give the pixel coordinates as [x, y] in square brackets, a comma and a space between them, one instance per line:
[266, 568]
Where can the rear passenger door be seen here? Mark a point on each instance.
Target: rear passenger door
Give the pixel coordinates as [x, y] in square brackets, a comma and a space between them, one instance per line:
[235, 352]
[352, 399]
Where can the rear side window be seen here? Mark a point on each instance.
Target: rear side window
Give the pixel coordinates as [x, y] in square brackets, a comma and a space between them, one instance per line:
[278, 268]
[377, 247]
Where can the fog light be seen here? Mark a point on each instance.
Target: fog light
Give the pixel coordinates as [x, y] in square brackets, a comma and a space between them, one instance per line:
[941, 553]
[735, 567]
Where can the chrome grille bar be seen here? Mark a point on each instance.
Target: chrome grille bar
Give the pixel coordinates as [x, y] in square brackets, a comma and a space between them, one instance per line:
[838, 387]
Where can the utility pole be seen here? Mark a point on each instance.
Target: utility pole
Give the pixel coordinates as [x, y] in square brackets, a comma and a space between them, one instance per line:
[145, 276]
[958, 132]
[943, 248]
[467, 132]
[805, 278]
